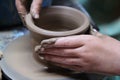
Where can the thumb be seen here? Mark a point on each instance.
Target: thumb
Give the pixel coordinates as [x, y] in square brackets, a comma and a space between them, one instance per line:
[35, 8]
[21, 9]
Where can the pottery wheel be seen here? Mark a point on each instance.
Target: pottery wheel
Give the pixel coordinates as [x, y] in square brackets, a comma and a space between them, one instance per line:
[19, 64]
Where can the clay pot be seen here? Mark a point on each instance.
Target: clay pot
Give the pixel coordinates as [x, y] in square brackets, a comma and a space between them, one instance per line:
[57, 21]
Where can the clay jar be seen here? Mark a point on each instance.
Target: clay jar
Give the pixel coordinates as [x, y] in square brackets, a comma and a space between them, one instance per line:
[57, 21]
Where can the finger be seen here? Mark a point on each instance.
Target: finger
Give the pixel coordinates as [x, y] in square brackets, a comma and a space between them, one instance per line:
[20, 7]
[72, 41]
[63, 60]
[35, 8]
[74, 67]
[64, 42]
[60, 52]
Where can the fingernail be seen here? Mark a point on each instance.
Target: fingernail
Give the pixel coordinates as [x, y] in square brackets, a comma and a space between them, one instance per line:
[42, 49]
[42, 58]
[47, 46]
[37, 48]
[49, 41]
[36, 16]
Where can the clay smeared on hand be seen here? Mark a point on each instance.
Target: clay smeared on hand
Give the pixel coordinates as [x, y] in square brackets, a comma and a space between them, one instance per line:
[44, 44]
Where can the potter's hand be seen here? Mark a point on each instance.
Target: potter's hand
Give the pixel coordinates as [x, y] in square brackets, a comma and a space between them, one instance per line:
[85, 53]
[34, 7]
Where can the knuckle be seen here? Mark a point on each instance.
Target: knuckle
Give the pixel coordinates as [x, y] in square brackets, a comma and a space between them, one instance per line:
[66, 43]
[68, 52]
[70, 62]
[81, 52]
[20, 7]
[89, 39]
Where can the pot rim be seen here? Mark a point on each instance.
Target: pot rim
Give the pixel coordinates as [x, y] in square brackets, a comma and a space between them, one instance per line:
[32, 27]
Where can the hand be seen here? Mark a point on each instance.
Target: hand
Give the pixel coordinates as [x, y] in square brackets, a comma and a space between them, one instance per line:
[34, 8]
[85, 53]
